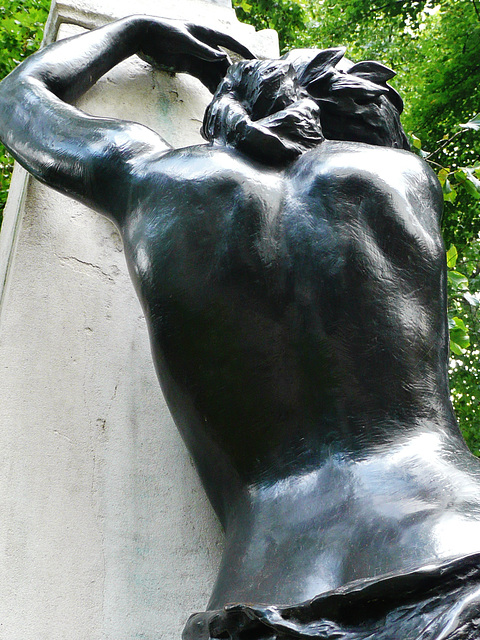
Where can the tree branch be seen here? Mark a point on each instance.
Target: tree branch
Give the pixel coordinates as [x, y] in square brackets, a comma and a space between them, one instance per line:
[442, 146]
[476, 9]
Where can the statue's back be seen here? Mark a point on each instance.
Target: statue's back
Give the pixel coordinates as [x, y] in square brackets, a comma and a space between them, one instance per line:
[293, 311]
[298, 329]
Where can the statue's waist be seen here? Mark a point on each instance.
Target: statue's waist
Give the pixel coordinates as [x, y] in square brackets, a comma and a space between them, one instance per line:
[347, 520]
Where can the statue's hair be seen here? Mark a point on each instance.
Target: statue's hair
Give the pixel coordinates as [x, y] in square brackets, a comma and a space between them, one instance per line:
[274, 110]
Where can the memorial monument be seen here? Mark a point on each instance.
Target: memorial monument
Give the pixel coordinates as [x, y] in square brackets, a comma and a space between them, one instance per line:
[292, 275]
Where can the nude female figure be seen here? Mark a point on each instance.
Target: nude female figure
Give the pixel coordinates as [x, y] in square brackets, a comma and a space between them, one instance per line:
[292, 275]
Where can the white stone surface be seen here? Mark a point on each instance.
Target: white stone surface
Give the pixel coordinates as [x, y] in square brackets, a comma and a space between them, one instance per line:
[105, 531]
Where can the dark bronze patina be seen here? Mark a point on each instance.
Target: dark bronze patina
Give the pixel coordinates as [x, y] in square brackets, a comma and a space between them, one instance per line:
[292, 275]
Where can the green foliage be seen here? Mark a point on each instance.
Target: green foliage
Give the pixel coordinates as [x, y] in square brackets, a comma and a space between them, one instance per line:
[463, 280]
[287, 17]
[464, 305]
[21, 30]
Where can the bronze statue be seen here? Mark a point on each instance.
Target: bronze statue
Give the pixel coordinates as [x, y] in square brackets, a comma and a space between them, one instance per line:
[292, 274]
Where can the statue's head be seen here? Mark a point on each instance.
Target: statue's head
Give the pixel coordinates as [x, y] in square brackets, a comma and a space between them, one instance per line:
[276, 109]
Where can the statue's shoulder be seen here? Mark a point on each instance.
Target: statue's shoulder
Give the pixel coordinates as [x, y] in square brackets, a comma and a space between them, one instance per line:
[393, 181]
[357, 161]
[187, 179]
[209, 164]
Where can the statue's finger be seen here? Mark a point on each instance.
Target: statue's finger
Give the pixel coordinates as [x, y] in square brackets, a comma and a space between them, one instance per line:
[203, 50]
[217, 38]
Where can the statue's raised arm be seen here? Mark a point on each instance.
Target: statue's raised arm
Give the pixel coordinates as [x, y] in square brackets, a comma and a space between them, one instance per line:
[91, 158]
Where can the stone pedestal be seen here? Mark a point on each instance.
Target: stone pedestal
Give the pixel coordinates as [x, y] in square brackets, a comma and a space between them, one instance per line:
[105, 531]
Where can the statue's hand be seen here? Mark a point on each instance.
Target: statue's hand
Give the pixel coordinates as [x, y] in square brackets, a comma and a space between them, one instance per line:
[190, 48]
[275, 139]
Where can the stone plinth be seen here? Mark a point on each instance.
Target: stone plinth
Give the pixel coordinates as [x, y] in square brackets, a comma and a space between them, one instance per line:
[105, 531]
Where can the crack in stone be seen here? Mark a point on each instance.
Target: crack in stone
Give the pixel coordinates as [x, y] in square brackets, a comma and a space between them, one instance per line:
[66, 259]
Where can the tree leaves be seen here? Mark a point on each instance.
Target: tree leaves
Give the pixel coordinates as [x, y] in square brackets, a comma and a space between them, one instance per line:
[458, 281]
[459, 338]
[287, 17]
[452, 257]
[21, 34]
[466, 176]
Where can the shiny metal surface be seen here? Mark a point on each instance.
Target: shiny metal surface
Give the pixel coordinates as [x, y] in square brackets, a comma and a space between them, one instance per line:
[297, 314]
